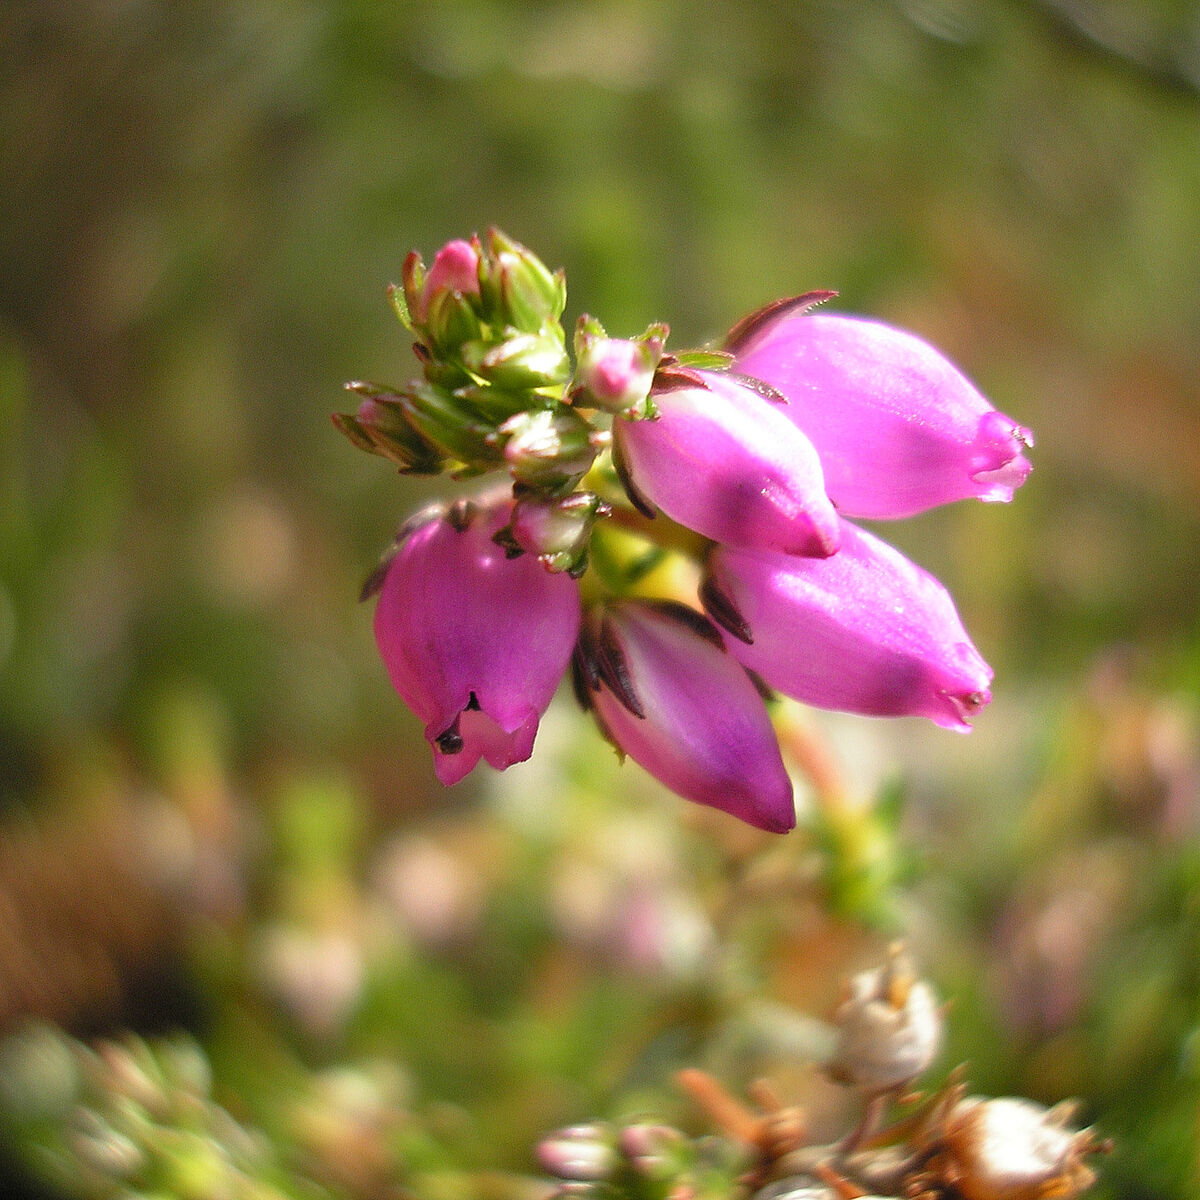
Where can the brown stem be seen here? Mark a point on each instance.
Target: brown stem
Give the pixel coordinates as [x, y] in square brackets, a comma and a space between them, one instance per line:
[869, 1125]
[723, 1109]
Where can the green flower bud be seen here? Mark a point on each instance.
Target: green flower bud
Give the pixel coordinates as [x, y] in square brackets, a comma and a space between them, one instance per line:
[517, 288]
[529, 361]
[455, 273]
[556, 531]
[495, 405]
[549, 450]
[381, 427]
[446, 421]
[451, 320]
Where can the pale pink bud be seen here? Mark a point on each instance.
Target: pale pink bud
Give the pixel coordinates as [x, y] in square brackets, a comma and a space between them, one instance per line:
[617, 365]
[865, 631]
[615, 374]
[580, 1152]
[668, 695]
[474, 641]
[898, 427]
[724, 461]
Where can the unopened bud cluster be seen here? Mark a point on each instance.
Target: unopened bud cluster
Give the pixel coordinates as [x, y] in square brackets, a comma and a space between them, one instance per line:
[486, 323]
[137, 1120]
[750, 459]
[943, 1146]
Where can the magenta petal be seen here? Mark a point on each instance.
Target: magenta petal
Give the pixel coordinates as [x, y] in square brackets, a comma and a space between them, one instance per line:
[727, 463]
[484, 738]
[865, 631]
[898, 427]
[473, 641]
[705, 732]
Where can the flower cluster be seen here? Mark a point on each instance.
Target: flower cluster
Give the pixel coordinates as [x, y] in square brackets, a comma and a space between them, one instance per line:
[750, 459]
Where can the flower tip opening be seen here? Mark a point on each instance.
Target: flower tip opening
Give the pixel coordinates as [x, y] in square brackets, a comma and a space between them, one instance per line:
[475, 735]
[963, 706]
[1000, 465]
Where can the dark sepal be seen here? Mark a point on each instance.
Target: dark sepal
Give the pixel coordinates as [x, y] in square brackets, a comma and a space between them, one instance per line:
[751, 326]
[585, 680]
[584, 677]
[613, 669]
[697, 622]
[673, 375]
[509, 544]
[762, 687]
[621, 467]
[374, 581]
[461, 513]
[721, 608]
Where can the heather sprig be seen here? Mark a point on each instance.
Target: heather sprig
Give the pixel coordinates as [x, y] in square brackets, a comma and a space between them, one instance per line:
[905, 1145]
[745, 460]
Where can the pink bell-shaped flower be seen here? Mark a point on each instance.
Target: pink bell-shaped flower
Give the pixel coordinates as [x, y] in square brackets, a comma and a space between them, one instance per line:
[666, 693]
[725, 461]
[474, 641]
[899, 428]
[865, 631]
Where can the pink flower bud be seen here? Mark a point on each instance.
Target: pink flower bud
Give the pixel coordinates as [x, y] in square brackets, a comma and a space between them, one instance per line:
[725, 462]
[580, 1152]
[899, 429]
[475, 642]
[615, 374]
[557, 532]
[617, 369]
[666, 693]
[864, 631]
[455, 269]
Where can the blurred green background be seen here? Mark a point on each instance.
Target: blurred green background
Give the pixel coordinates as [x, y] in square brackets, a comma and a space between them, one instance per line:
[201, 205]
